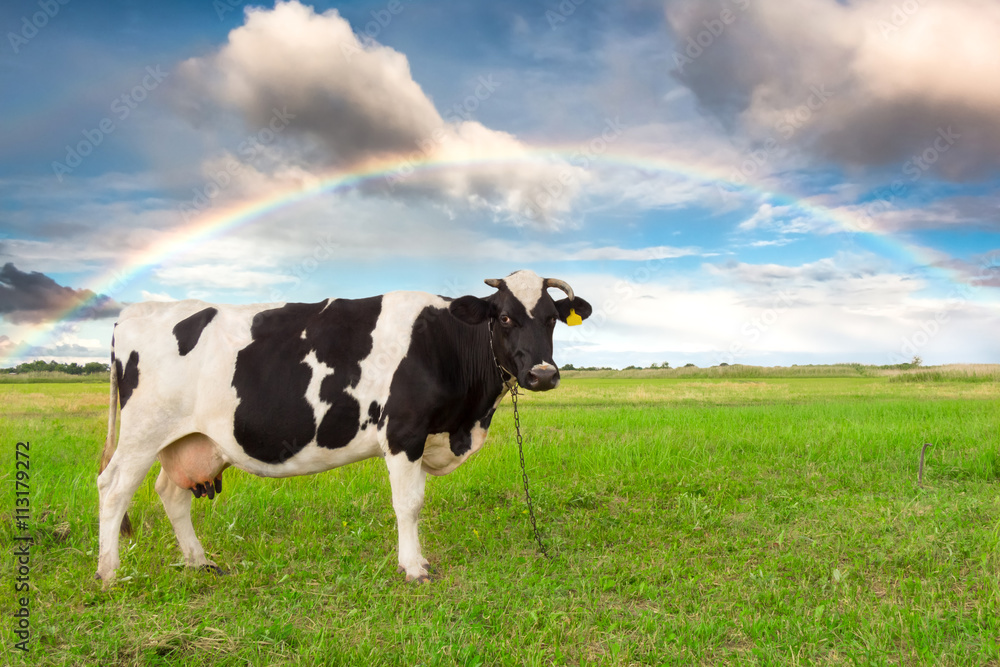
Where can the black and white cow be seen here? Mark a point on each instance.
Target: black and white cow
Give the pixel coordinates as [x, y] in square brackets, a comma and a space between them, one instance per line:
[297, 388]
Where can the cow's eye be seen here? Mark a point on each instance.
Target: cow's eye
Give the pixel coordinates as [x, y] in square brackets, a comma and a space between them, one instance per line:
[551, 321]
[505, 320]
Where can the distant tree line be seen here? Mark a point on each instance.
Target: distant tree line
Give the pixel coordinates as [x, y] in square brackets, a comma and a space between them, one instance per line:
[54, 366]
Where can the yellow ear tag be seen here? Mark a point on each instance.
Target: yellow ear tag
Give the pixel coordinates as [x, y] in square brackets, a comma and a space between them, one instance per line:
[573, 318]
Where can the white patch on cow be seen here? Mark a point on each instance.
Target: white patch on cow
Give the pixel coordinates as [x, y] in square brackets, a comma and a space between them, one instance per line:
[438, 458]
[527, 287]
[407, 481]
[390, 343]
[320, 372]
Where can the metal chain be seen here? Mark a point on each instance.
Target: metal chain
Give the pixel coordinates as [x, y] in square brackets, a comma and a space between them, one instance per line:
[524, 474]
[512, 386]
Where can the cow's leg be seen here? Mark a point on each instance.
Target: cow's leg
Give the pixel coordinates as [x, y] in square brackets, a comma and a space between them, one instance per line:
[116, 486]
[407, 480]
[177, 503]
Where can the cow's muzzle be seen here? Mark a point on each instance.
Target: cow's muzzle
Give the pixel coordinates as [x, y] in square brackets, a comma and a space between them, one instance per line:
[542, 377]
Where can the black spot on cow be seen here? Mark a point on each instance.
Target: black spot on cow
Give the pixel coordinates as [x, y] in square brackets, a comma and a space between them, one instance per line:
[342, 339]
[374, 413]
[273, 420]
[460, 442]
[340, 423]
[447, 382]
[188, 331]
[127, 377]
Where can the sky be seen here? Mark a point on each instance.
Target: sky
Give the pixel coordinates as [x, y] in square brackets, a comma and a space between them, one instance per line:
[767, 182]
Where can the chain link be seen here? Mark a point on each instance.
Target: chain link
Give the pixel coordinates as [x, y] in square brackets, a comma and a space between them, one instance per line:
[512, 386]
[524, 473]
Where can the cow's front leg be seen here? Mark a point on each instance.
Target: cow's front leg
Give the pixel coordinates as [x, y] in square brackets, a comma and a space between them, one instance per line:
[407, 479]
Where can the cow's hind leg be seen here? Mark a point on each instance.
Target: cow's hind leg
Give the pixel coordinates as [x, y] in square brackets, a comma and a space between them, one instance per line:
[177, 503]
[407, 479]
[116, 485]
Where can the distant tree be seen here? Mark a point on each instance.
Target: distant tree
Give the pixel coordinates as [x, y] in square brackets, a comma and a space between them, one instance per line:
[53, 366]
[723, 364]
[569, 367]
[916, 361]
[690, 366]
[654, 365]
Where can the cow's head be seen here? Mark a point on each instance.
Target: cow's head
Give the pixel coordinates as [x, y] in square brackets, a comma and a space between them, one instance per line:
[522, 315]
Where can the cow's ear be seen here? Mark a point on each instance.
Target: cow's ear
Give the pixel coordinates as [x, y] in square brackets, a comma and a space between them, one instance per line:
[471, 309]
[581, 307]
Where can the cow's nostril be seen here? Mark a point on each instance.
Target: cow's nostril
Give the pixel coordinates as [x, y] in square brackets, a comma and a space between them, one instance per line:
[541, 378]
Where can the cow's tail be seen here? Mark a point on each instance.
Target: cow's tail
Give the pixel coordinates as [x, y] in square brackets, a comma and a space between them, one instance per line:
[110, 444]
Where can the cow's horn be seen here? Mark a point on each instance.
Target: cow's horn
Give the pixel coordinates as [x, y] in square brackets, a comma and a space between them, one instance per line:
[493, 282]
[560, 284]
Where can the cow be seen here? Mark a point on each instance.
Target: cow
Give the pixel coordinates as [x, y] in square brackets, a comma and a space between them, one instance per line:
[284, 389]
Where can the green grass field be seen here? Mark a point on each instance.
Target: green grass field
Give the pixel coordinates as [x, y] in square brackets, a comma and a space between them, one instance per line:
[690, 521]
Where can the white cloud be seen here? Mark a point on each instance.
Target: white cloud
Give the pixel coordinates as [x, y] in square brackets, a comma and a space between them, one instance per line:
[219, 276]
[613, 253]
[353, 103]
[156, 296]
[841, 309]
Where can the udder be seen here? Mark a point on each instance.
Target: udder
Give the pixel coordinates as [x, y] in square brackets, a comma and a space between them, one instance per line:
[193, 462]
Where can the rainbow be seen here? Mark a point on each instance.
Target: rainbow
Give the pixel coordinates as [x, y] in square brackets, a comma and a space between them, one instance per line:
[217, 222]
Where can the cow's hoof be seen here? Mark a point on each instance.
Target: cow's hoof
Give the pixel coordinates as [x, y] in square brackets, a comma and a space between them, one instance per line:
[214, 569]
[97, 575]
[422, 579]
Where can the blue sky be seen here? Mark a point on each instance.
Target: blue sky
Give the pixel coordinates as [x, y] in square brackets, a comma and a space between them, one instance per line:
[742, 181]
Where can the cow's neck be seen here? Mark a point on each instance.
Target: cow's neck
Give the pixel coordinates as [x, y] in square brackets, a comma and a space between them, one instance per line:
[480, 376]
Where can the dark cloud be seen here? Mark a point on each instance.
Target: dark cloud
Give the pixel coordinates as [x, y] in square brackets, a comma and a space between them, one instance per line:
[862, 83]
[29, 298]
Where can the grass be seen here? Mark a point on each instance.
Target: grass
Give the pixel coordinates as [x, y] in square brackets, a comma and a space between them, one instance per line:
[951, 372]
[690, 520]
[38, 377]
